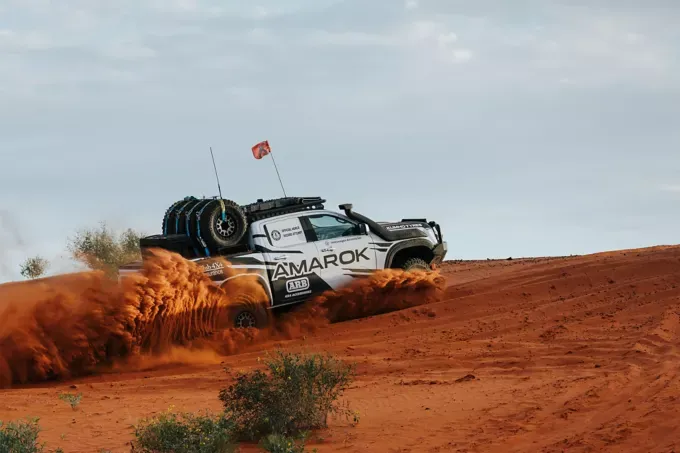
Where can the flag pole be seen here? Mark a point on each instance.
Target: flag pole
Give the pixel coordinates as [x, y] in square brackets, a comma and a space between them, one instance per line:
[277, 173]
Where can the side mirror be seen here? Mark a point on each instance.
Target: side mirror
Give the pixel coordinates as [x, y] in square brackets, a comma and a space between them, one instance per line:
[363, 228]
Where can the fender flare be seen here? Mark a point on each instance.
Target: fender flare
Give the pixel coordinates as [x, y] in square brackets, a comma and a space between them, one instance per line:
[406, 244]
[263, 280]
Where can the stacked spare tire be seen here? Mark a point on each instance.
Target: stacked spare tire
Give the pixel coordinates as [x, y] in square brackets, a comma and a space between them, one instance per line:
[199, 227]
[209, 224]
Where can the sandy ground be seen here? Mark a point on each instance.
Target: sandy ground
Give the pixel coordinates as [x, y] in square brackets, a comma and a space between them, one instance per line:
[571, 354]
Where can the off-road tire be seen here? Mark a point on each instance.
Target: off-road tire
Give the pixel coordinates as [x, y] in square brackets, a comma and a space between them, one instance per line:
[415, 264]
[193, 224]
[182, 216]
[249, 313]
[218, 233]
[170, 216]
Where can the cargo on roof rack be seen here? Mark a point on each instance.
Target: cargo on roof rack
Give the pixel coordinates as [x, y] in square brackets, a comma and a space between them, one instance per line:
[203, 227]
[263, 209]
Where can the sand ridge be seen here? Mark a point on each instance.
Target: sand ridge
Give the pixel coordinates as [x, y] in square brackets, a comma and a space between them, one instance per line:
[572, 354]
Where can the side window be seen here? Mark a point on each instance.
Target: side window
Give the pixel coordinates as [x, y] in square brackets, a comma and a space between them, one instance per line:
[330, 227]
[285, 233]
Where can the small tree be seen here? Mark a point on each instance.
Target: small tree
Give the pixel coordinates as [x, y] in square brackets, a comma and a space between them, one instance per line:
[34, 267]
[101, 249]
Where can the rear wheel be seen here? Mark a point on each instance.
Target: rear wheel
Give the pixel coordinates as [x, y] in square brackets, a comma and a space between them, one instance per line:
[415, 264]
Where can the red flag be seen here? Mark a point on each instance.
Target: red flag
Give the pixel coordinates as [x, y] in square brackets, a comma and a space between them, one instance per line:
[261, 149]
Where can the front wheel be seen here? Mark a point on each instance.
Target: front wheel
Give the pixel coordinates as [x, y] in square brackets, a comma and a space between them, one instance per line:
[415, 264]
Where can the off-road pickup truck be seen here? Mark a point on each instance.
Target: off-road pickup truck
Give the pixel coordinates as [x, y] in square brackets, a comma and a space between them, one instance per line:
[295, 246]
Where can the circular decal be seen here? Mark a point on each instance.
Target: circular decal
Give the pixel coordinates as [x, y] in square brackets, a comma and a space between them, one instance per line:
[276, 235]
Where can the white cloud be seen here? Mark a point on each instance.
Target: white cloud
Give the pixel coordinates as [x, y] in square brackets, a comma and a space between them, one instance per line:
[600, 50]
[411, 4]
[262, 36]
[438, 39]
[426, 39]
[461, 55]
[446, 39]
[14, 41]
[675, 188]
[350, 38]
[261, 12]
[422, 30]
[190, 7]
[129, 51]
[246, 97]
[184, 5]
[634, 38]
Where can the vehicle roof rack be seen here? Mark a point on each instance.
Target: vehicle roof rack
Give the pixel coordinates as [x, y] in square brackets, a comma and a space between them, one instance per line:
[262, 209]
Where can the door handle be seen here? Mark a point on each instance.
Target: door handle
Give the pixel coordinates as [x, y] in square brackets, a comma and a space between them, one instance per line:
[280, 257]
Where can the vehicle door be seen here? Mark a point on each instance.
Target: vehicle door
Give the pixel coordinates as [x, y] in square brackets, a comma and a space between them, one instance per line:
[292, 261]
[346, 251]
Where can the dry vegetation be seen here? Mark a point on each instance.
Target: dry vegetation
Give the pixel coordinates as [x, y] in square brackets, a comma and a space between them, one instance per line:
[22, 437]
[276, 407]
[97, 248]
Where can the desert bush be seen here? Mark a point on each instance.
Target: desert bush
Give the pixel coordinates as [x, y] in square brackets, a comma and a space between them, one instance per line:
[34, 267]
[183, 433]
[101, 249]
[297, 393]
[276, 443]
[21, 437]
[72, 400]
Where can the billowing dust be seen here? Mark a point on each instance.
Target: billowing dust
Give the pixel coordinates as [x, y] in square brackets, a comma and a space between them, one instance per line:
[78, 324]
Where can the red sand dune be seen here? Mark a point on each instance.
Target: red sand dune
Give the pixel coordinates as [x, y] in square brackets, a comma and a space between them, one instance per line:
[572, 354]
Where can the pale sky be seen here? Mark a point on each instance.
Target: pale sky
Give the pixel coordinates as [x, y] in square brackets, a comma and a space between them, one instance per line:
[524, 127]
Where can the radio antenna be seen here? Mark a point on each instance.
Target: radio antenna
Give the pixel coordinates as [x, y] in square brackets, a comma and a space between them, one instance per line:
[219, 189]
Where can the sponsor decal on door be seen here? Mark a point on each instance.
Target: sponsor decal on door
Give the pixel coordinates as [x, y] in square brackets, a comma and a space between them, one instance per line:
[298, 287]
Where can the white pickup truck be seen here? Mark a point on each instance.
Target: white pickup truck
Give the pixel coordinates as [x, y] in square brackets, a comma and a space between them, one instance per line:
[295, 246]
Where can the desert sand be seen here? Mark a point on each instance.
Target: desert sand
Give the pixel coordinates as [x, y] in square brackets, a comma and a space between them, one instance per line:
[573, 354]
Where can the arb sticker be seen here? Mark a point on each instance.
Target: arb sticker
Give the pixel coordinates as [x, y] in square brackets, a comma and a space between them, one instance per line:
[298, 284]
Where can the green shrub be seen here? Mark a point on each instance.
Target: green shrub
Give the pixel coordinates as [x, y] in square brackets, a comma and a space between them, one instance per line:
[183, 433]
[276, 443]
[296, 394]
[103, 249]
[20, 437]
[72, 400]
